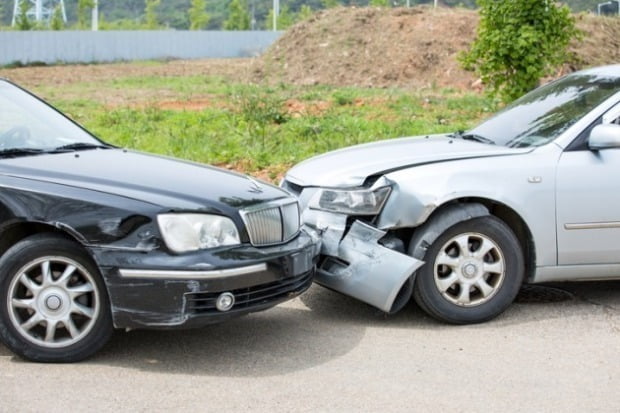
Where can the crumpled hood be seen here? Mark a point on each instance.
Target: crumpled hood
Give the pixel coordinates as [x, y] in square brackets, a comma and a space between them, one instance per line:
[167, 182]
[349, 167]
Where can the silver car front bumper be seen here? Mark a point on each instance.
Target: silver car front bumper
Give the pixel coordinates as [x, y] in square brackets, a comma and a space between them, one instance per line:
[355, 264]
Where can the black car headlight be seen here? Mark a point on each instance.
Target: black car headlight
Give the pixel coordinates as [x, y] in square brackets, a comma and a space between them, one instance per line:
[191, 232]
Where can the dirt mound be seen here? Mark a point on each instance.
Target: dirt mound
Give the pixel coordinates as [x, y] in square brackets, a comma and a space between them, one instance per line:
[415, 47]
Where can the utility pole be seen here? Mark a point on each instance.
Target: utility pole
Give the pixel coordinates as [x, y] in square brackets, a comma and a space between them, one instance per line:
[276, 13]
[95, 16]
[39, 10]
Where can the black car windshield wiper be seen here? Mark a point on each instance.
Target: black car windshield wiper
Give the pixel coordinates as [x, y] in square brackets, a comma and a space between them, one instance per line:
[79, 146]
[15, 152]
[473, 137]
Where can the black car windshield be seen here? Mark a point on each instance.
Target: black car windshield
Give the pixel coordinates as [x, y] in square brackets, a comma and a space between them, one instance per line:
[543, 114]
[29, 126]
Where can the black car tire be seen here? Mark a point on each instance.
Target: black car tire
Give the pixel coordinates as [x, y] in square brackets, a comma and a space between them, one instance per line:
[54, 305]
[472, 272]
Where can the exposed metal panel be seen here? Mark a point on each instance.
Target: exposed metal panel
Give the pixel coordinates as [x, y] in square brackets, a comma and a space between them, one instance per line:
[109, 46]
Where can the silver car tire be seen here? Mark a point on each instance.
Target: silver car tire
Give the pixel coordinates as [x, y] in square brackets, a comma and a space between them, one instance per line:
[472, 272]
[53, 302]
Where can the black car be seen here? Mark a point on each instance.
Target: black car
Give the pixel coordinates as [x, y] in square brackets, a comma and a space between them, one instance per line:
[93, 237]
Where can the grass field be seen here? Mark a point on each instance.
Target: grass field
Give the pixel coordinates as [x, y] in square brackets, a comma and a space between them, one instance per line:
[257, 129]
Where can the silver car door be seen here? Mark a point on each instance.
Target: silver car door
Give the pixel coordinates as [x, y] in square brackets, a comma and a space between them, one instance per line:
[588, 204]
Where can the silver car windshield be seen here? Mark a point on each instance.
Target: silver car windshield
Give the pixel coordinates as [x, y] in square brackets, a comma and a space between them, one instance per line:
[543, 114]
[26, 123]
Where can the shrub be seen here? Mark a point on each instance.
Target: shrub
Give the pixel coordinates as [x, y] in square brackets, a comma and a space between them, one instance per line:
[519, 42]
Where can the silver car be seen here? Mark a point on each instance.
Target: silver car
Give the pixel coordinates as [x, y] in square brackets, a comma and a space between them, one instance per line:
[461, 221]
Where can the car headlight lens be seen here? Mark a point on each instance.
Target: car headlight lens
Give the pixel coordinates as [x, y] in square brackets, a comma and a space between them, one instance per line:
[191, 232]
[354, 202]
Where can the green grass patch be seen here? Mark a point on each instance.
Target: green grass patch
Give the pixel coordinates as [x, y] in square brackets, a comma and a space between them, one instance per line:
[262, 126]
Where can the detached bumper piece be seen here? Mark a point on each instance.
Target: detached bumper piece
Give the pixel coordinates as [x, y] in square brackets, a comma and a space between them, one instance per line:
[355, 264]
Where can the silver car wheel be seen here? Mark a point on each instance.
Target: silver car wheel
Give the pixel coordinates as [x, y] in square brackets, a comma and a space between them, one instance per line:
[53, 302]
[469, 269]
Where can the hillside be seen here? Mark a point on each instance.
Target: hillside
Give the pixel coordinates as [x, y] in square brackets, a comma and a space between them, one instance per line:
[173, 13]
[416, 47]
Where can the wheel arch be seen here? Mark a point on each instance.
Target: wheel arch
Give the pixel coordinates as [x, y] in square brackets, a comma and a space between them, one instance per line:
[462, 209]
[14, 232]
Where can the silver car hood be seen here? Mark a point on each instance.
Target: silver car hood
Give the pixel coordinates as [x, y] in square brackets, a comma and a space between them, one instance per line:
[349, 167]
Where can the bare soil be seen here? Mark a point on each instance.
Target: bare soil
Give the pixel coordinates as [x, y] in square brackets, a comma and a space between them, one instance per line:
[416, 47]
[235, 69]
[367, 47]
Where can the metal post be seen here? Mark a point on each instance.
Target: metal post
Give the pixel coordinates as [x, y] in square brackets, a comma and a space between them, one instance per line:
[276, 13]
[15, 12]
[435, 4]
[38, 10]
[95, 16]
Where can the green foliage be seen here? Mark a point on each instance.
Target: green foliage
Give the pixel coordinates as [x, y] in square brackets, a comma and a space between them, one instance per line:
[122, 24]
[84, 8]
[379, 3]
[285, 19]
[238, 16]
[259, 127]
[198, 17]
[150, 14]
[305, 12]
[518, 42]
[330, 4]
[22, 22]
[57, 22]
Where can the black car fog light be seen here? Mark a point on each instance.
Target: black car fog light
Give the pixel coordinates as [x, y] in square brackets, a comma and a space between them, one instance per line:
[225, 301]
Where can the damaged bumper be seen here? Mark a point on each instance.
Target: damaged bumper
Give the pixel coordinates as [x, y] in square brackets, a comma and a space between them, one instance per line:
[157, 290]
[355, 264]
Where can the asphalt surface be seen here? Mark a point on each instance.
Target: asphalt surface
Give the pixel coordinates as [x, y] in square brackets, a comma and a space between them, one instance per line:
[553, 350]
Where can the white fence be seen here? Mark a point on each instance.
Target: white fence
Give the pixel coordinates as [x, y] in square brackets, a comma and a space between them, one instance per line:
[109, 46]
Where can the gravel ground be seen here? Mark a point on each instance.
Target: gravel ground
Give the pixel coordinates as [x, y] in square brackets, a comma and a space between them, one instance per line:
[553, 350]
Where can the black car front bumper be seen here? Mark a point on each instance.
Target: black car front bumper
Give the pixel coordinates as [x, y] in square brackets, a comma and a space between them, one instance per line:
[157, 290]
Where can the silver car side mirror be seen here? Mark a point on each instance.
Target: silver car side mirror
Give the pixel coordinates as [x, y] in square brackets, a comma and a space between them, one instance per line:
[604, 137]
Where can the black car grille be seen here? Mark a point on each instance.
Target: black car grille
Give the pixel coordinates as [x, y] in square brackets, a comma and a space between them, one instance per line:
[204, 302]
[272, 224]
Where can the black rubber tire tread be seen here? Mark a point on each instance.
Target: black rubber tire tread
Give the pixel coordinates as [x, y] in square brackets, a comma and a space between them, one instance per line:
[428, 297]
[29, 249]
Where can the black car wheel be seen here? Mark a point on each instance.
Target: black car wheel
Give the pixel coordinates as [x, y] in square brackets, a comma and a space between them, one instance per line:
[472, 272]
[54, 306]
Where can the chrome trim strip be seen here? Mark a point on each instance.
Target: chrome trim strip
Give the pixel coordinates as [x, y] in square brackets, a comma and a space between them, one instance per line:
[592, 225]
[270, 204]
[193, 275]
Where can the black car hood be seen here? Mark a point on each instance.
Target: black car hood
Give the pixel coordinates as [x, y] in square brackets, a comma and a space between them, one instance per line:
[167, 182]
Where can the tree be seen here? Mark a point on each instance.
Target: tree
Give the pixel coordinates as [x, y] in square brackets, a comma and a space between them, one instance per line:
[285, 19]
[198, 17]
[57, 21]
[518, 42]
[84, 8]
[379, 3]
[238, 17]
[22, 22]
[150, 14]
[305, 12]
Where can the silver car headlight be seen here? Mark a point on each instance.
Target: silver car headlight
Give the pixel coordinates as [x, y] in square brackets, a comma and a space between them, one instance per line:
[352, 202]
[191, 232]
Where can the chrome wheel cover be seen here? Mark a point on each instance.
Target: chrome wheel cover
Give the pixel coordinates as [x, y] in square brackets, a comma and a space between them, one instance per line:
[469, 269]
[53, 302]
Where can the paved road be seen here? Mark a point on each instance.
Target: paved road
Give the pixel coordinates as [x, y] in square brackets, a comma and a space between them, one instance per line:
[551, 351]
